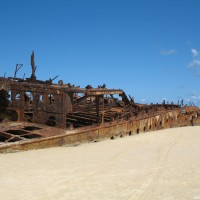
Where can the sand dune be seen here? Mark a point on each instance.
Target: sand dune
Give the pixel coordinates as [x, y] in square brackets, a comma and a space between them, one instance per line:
[156, 165]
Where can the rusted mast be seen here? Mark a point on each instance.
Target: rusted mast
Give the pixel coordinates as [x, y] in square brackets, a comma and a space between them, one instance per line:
[33, 77]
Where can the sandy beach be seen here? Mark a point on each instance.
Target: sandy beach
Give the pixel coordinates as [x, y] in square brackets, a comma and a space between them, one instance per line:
[155, 165]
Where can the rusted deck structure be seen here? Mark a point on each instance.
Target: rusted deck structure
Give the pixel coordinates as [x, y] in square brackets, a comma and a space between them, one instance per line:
[38, 114]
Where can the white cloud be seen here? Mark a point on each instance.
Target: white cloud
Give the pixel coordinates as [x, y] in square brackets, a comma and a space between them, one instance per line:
[194, 63]
[195, 53]
[191, 101]
[192, 97]
[168, 52]
[143, 100]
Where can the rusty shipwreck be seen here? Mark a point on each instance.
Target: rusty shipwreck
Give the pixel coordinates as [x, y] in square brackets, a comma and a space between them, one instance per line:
[39, 114]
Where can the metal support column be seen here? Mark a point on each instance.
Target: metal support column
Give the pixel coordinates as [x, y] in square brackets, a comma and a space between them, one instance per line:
[21, 105]
[97, 108]
[102, 110]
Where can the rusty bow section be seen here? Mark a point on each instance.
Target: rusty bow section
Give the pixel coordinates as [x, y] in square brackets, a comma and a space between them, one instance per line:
[34, 111]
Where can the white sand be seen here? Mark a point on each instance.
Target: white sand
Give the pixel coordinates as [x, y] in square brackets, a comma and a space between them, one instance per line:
[156, 165]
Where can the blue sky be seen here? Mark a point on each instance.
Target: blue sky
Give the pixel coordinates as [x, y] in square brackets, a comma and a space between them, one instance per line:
[148, 48]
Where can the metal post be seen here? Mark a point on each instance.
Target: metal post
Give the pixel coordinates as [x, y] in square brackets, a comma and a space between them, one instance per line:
[97, 108]
[102, 110]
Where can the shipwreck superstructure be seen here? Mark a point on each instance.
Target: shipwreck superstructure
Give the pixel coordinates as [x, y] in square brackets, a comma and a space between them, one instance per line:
[38, 114]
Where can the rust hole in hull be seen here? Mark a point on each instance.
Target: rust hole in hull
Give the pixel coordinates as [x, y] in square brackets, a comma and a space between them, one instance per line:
[31, 128]
[17, 132]
[31, 136]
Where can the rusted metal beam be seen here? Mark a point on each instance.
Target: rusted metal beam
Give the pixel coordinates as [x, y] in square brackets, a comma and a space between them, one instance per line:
[97, 92]
[97, 99]
[102, 110]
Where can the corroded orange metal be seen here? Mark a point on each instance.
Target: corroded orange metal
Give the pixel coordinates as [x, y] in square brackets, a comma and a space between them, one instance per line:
[39, 114]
